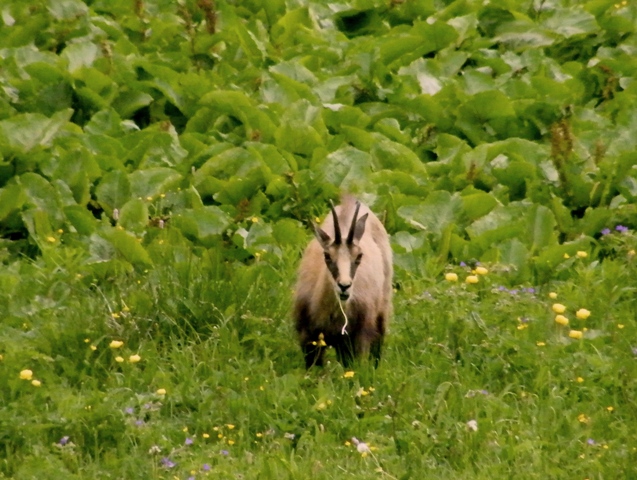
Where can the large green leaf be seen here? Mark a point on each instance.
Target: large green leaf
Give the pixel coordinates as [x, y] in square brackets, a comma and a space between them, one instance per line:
[541, 228]
[346, 168]
[129, 247]
[113, 191]
[40, 195]
[11, 199]
[152, 182]
[24, 132]
[205, 224]
[134, 215]
[439, 210]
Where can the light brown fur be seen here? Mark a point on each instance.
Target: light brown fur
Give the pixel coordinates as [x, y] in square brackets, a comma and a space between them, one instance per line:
[317, 313]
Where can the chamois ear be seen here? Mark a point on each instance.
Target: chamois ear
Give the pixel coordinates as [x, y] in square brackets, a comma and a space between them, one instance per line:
[359, 228]
[323, 238]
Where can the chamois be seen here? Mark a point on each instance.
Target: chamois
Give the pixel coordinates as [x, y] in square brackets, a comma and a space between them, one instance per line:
[344, 287]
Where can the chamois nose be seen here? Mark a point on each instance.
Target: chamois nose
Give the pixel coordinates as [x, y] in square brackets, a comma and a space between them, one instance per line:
[344, 286]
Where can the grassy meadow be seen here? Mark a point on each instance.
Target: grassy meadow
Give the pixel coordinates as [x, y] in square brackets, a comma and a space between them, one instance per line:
[161, 162]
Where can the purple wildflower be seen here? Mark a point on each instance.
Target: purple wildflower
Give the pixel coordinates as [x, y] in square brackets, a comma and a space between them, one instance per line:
[139, 423]
[189, 441]
[64, 440]
[621, 228]
[606, 231]
[225, 452]
[129, 410]
[462, 264]
[502, 288]
[191, 477]
[530, 290]
[513, 292]
[167, 462]
[484, 392]
[206, 467]
[590, 441]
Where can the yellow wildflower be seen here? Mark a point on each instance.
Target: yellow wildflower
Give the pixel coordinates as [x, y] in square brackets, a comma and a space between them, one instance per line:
[93, 347]
[472, 279]
[552, 295]
[581, 254]
[36, 383]
[119, 359]
[580, 379]
[481, 271]
[50, 239]
[583, 418]
[558, 308]
[205, 435]
[567, 256]
[348, 374]
[582, 314]
[540, 344]
[576, 334]
[620, 325]
[321, 341]
[561, 319]
[161, 391]
[451, 277]
[116, 344]
[230, 426]
[26, 374]
[610, 409]
[230, 442]
[134, 358]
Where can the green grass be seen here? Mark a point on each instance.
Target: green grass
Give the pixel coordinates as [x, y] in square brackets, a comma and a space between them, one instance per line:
[224, 351]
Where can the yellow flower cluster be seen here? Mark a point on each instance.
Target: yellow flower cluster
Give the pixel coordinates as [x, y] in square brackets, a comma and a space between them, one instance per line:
[27, 374]
[559, 309]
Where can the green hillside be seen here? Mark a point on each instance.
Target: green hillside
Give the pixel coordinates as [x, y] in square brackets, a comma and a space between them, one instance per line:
[161, 162]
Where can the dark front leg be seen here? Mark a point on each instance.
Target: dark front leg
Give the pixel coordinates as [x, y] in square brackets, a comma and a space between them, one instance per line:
[313, 354]
[345, 350]
[377, 343]
[375, 350]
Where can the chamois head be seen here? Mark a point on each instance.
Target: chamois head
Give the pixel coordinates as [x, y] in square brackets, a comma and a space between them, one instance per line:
[342, 259]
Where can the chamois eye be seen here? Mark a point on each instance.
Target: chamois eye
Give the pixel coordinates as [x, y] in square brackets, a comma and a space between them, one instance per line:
[359, 257]
[327, 257]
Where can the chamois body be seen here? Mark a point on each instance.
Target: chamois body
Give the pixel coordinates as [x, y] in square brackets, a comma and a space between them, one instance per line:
[352, 277]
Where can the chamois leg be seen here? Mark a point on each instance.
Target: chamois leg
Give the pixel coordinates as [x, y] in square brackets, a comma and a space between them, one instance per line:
[377, 343]
[313, 355]
[364, 341]
[375, 350]
[345, 351]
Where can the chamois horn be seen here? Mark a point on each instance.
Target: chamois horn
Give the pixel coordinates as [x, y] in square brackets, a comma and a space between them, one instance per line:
[337, 228]
[352, 228]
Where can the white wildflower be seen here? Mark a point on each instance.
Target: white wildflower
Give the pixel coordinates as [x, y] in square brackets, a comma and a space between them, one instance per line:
[472, 425]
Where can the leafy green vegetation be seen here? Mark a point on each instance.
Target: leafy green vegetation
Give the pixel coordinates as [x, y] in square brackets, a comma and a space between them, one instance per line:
[160, 162]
